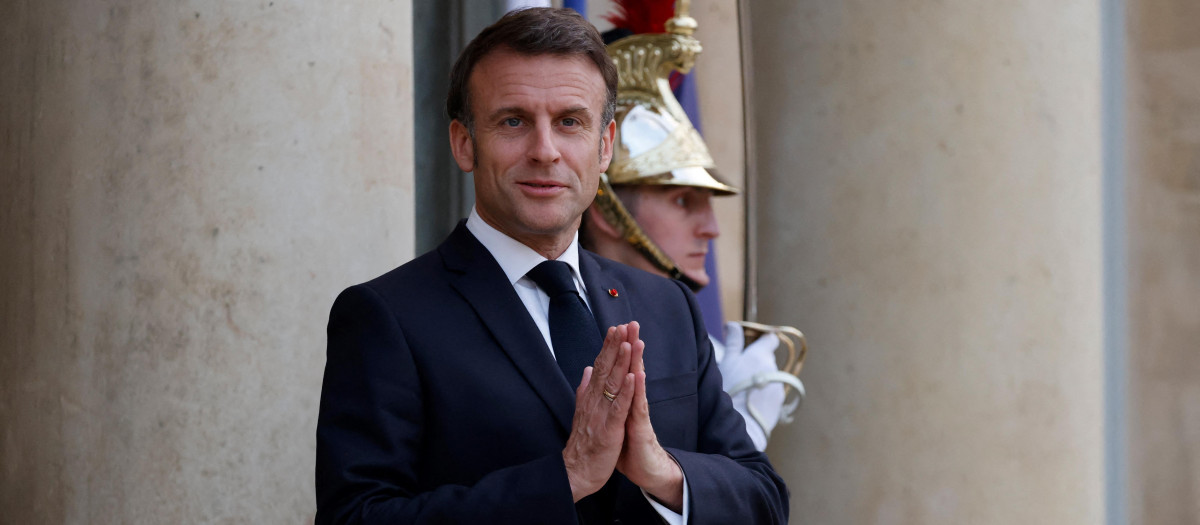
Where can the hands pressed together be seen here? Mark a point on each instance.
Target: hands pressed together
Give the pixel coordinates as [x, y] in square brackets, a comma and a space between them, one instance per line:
[611, 429]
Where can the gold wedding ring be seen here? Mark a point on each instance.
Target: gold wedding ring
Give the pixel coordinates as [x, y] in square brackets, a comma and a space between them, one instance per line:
[609, 395]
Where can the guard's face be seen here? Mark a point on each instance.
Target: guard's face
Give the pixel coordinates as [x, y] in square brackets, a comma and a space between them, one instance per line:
[680, 220]
[539, 145]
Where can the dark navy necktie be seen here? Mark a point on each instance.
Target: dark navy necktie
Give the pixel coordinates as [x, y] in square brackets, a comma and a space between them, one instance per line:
[573, 331]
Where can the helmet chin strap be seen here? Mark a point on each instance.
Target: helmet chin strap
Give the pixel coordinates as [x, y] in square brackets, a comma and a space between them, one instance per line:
[618, 216]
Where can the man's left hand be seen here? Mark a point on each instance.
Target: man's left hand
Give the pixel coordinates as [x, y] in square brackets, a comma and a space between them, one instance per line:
[642, 459]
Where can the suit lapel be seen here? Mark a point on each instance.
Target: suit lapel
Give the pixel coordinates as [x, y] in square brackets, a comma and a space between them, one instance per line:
[607, 295]
[479, 279]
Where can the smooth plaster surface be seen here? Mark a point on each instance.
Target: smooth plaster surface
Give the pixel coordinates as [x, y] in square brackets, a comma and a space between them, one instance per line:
[185, 187]
[1164, 203]
[718, 74]
[930, 211]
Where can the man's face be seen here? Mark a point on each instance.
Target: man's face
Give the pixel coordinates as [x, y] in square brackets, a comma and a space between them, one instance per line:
[680, 220]
[539, 145]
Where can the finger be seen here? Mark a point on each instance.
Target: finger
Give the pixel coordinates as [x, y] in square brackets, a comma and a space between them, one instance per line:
[623, 335]
[619, 334]
[638, 423]
[636, 353]
[613, 383]
[638, 346]
[634, 332]
[620, 406]
[603, 364]
[608, 351]
[639, 394]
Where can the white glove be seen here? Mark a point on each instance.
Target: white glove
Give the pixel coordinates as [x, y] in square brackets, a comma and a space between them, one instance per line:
[739, 365]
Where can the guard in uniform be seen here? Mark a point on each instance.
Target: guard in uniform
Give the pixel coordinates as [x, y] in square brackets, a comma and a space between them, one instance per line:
[653, 211]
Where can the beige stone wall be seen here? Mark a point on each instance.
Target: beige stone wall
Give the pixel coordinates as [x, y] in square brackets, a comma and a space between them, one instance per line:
[185, 188]
[1164, 206]
[719, 86]
[930, 214]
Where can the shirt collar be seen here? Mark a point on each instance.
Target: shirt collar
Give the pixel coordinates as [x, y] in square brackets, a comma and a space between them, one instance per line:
[515, 258]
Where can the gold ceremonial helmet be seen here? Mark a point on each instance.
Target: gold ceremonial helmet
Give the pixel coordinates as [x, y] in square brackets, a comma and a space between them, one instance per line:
[656, 143]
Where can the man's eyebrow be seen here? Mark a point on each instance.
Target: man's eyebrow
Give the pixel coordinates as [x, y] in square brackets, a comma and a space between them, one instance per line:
[510, 110]
[573, 111]
[576, 110]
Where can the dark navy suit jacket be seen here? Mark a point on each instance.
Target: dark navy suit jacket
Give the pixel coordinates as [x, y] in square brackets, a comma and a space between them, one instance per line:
[442, 404]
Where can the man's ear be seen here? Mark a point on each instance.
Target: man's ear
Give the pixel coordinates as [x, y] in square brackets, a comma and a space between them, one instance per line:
[462, 146]
[606, 144]
[599, 226]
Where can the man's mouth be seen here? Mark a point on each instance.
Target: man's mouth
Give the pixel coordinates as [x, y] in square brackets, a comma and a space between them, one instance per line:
[541, 188]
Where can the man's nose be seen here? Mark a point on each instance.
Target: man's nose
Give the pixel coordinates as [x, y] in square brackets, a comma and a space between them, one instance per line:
[544, 148]
[708, 227]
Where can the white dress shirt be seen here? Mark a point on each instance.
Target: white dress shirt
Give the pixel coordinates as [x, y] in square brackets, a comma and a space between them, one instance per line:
[516, 260]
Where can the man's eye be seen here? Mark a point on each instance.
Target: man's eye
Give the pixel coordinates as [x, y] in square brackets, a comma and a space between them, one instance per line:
[512, 122]
[680, 201]
[570, 122]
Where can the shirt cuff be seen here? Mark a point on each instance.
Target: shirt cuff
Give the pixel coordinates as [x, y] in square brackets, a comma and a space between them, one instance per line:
[669, 516]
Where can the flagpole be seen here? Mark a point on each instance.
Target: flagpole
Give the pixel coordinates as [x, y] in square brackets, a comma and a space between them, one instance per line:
[750, 188]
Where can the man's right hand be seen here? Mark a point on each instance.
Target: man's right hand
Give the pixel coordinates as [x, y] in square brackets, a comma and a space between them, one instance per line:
[598, 429]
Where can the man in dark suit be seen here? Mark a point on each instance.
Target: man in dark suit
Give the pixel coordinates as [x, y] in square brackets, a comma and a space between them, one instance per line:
[447, 395]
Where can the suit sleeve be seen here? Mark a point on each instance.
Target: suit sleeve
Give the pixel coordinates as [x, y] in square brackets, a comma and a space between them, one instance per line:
[369, 438]
[729, 480]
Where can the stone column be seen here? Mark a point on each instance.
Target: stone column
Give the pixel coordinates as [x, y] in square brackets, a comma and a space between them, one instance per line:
[930, 214]
[1164, 231]
[185, 188]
